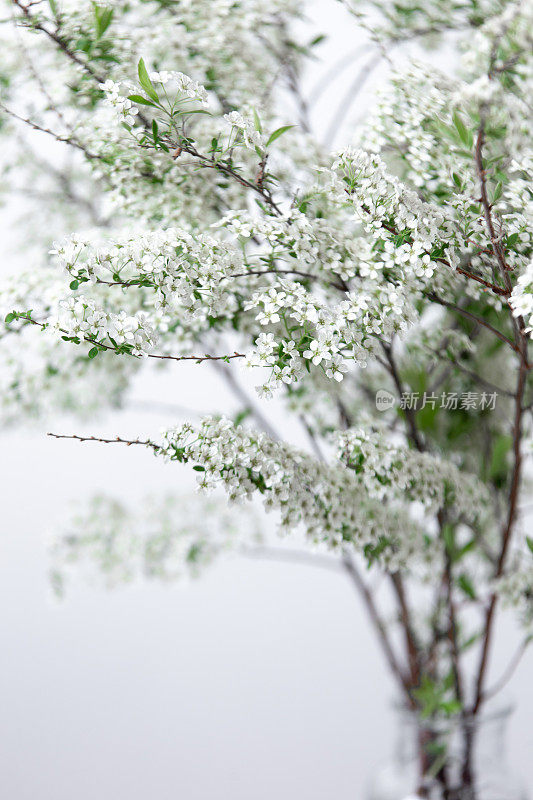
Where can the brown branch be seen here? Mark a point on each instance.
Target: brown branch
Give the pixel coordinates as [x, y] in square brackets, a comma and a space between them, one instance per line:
[59, 41]
[209, 163]
[300, 273]
[379, 626]
[197, 359]
[496, 289]
[405, 616]
[116, 440]
[514, 489]
[410, 414]
[57, 136]
[506, 535]
[468, 314]
[509, 672]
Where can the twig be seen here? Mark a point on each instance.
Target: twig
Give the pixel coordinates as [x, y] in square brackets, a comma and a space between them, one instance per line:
[196, 359]
[116, 440]
[517, 425]
[506, 535]
[379, 626]
[58, 39]
[475, 377]
[240, 393]
[468, 314]
[58, 137]
[352, 92]
[409, 412]
[509, 672]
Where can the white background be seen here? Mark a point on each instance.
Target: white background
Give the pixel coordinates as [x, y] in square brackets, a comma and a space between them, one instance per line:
[260, 680]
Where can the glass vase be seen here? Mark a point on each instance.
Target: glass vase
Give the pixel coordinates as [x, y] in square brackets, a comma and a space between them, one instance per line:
[448, 759]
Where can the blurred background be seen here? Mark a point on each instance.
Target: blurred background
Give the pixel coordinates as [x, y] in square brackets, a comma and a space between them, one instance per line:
[257, 680]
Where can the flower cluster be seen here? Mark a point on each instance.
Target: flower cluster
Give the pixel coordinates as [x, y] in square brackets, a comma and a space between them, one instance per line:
[181, 84]
[246, 128]
[328, 501]
[515, 588]
[115, 98]
[310, 331]
[384, 204]
[521, 300]
[185, 270]
[395, 471]
[80, 319]
[118, 545]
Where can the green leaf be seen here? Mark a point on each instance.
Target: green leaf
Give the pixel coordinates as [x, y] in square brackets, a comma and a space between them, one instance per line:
[53, 6]
[448, 534]
[189, 113]
[103, 20]
[257, 122]
[498, 466]
[10, 317]
[74, 285]
[450, 707]
[145, 81]
[138, 98]
[529, 542]
[465, 584]
[93, 352]
[155, 131]
[199, 468]
[241, 416]
[461, 129]
[497, 192]
[277, 133]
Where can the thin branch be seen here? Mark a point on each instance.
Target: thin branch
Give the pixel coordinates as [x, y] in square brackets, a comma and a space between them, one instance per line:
[475, 377]
[241, 394]
[293, 556]
[352, 92]
[116, 440]
[468, 314]
[59, 41]
[196, 359]
[405, 616]
[210, 163]
[300, 273]
[506, 535]
[410, 414]
[379, 626]
[509, 672]
[514, 489]
[57, 136]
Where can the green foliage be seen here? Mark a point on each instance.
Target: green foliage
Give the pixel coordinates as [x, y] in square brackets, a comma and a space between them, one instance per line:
[103, 19]
[146, 83]
[277, 133]
[436, 698]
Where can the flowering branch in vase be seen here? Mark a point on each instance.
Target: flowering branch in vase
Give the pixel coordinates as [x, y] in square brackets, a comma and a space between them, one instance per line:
[352, 285]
